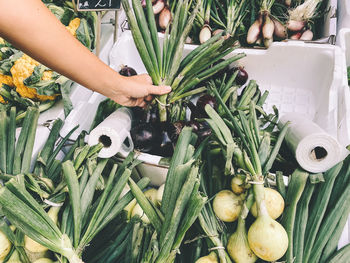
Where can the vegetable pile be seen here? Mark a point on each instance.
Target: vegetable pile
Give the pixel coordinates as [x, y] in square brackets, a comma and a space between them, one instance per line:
[24, 81]
[224, 199]
[255, 23]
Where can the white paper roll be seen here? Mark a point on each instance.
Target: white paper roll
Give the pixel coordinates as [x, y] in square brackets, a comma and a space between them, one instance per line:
[315, 150]
[112, 132]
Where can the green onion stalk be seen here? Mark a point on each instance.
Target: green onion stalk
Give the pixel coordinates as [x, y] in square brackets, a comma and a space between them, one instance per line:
[166, 66]
[181, 203]
[247, 129]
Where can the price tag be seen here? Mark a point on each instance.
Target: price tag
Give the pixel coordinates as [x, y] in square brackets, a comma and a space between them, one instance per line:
[98, 5]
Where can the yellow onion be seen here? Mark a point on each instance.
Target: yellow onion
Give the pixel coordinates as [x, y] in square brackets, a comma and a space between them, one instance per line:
[237, 245]
[237, 185]
[160, 192]
[239, 249]
[5, 246]
[227, 205]
[211, 258]
[43, 260]
[274, 203]
[266, 237]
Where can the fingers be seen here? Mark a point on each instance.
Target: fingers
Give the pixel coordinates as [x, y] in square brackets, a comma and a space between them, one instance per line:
[158, 90]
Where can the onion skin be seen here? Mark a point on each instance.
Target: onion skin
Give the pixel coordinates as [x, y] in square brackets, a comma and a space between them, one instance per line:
[267, 238]
[164, 18]
[254, 31]
[307, 35]
[274, 203]
[205, 34]
[294, 25]
[280, 30]
[158, 7]
[227, 206]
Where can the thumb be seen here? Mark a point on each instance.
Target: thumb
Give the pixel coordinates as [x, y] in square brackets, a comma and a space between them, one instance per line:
[158, 90]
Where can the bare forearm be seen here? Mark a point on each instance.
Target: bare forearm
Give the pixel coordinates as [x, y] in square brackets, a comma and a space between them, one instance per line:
[30, 26]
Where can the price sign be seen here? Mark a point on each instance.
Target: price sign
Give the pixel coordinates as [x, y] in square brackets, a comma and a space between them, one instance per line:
[98, 5]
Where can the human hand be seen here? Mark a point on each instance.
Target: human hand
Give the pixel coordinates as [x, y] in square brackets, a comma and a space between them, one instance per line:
[137, 90]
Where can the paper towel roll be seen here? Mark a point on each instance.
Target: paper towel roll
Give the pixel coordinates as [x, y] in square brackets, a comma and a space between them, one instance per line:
[112, 133]
[315, 150]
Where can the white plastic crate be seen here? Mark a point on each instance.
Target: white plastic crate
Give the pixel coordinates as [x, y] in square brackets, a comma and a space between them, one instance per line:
[301, 77]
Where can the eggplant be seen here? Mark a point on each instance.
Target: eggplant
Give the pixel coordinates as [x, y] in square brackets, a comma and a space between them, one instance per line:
[145, 137]
[127, 71]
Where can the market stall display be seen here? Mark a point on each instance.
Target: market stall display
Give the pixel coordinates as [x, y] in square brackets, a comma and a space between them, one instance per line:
[215, 174]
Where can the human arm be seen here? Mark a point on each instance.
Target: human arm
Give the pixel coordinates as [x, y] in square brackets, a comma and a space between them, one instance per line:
[31, 27]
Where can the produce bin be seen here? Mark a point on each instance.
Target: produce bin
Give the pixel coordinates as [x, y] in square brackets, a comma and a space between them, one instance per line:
[286, 70]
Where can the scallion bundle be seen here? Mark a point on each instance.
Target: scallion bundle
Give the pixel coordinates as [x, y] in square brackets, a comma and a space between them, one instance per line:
[165, 65]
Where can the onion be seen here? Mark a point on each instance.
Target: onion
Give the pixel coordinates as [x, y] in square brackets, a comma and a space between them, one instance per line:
[137, 211]
[266, 237]
[238, 246]
[242, 75]
[294, 25]
[5, 246]
[288, 2]
[164, 18]
[204, 34]
[160, 192]
[267, 30]
[43, 260]
[274, 204]
[237, 185]
[296, 36]
[151, 194]
[211, 258]
[217, 31]
[254, 31]
[280, 30]
[307, 35]
[127, 71]
[203, 101]
[188, 40]
[227, 206]
[158, 6]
